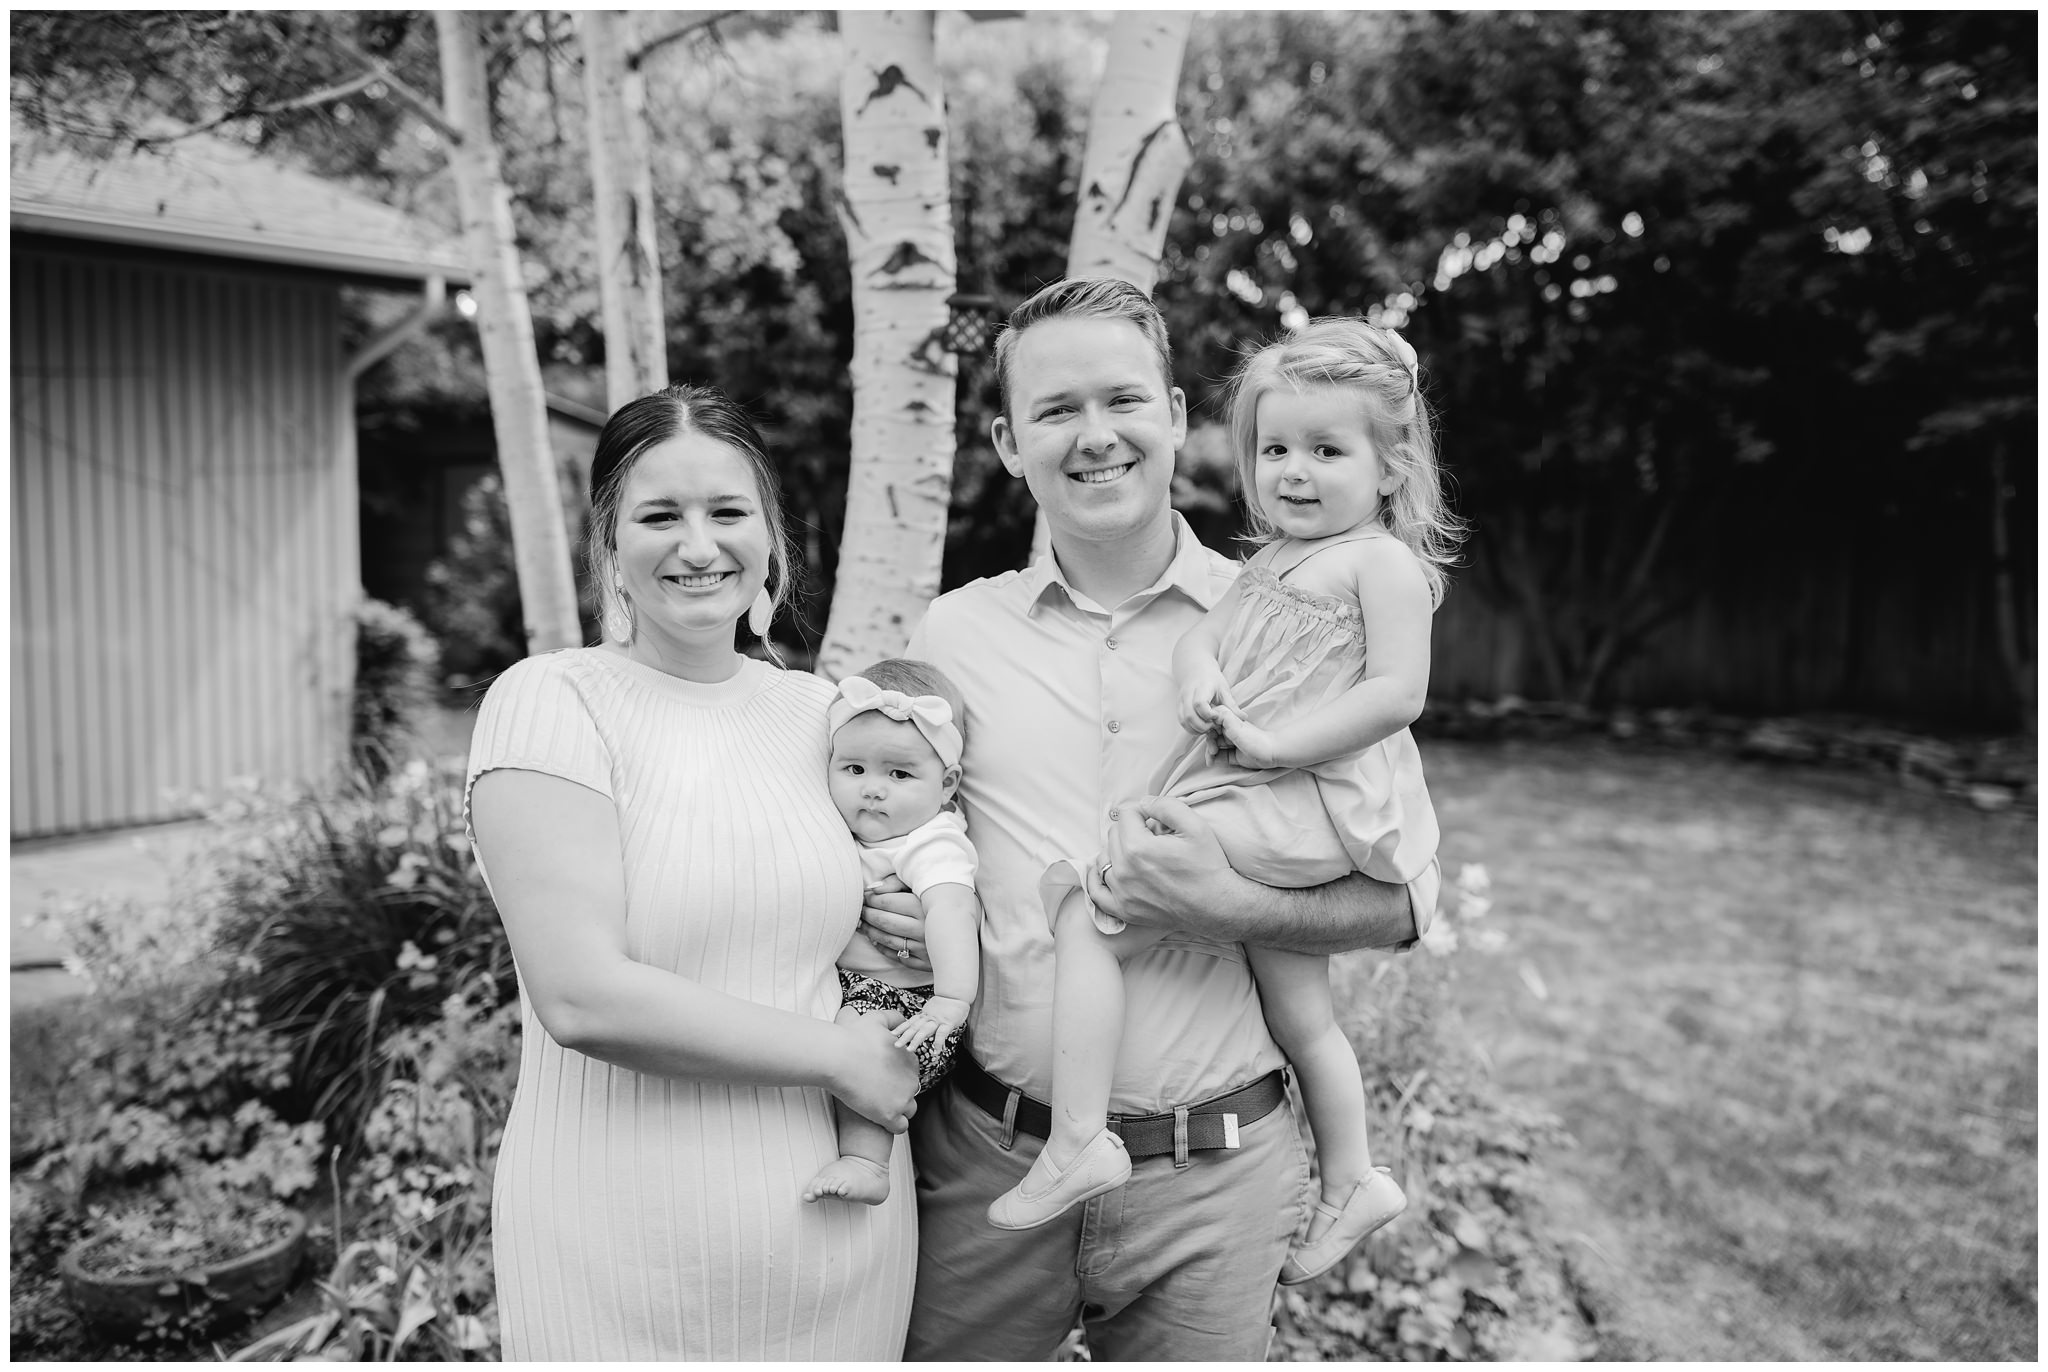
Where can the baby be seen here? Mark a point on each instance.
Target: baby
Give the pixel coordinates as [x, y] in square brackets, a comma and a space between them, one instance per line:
[895, 768]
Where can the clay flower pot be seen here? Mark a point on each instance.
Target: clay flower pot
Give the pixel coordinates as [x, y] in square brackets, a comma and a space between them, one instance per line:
[194, 1297]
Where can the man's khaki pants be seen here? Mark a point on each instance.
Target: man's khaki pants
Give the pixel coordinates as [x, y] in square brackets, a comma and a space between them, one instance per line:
[1177, 1265]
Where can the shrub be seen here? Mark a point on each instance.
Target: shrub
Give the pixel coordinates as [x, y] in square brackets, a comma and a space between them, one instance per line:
[472, 601]
[42, 1324]
[162, 1088]
[144, 966]
[157, 1143]
[417, 1282]
[397, 672]
[1467, 1271]
[351, 913]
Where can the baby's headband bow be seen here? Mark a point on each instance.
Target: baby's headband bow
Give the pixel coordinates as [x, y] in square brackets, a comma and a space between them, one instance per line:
[929, 715]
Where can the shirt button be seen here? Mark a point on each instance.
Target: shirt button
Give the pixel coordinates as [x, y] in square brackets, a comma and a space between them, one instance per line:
[1115, 727]
[1110, 644]
[1112, 814]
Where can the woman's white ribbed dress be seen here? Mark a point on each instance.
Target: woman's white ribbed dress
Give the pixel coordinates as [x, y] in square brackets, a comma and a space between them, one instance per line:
[640, 1217]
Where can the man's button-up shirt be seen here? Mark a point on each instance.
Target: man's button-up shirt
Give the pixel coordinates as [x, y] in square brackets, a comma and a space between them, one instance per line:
[1070, 708]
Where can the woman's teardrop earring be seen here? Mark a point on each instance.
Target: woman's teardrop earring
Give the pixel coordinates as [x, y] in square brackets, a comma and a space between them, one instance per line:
[761, 613]
[618, 615]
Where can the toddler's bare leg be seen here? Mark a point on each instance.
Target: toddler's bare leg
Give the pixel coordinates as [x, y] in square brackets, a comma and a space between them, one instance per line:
[1087, 1029]
[1294, 988]
[861, 1172]
[1081, 1158]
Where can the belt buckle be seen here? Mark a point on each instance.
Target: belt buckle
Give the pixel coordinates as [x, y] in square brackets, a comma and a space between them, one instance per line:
[1230, 1139]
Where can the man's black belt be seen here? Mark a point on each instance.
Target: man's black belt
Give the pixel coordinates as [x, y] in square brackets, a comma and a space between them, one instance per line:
[1212, 1123]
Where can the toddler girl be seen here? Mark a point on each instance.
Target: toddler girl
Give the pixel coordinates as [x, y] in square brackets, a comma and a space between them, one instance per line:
[895, 766]
[1298, 687]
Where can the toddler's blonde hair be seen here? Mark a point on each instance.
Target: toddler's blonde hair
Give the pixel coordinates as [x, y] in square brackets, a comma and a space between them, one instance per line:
[1380, 367]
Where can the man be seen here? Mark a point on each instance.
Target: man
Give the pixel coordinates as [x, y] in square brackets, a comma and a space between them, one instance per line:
[1067, 672]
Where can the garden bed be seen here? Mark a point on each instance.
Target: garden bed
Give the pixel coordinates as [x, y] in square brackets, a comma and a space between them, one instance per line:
[1991, 772]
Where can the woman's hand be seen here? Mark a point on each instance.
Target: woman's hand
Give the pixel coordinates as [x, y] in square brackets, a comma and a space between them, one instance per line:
[940, 1019]
[893, 920]
[876, 1078]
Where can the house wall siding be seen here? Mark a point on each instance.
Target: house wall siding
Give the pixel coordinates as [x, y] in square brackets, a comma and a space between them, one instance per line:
[184, 535]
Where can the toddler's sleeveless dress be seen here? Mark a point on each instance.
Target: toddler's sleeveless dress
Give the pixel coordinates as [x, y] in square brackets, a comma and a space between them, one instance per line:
[1287, 652]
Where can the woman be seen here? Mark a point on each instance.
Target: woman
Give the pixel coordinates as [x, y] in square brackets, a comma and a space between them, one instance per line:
[653, 819]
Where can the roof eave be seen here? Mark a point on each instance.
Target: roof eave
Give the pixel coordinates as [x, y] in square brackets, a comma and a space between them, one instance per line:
[106, 229]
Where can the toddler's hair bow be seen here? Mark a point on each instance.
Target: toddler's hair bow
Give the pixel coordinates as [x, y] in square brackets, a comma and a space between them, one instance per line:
[929, 715]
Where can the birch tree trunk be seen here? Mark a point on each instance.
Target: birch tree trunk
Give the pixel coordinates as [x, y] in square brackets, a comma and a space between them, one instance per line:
[1136, 155]
[1132, 167]
[622, 180]
[533, 491]
[899, 233]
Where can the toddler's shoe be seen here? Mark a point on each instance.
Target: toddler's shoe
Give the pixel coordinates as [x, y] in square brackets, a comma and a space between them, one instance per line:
[1044, 1195]
[1371, 1204]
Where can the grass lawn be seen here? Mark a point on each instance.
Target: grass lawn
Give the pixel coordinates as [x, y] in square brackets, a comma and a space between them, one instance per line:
[1790, 1017]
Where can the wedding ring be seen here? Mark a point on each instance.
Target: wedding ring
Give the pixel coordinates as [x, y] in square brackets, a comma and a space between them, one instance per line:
[903, 953]
[1105, 872]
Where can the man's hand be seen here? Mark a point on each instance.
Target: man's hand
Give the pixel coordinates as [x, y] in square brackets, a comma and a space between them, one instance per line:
[1166, 869]
[893, 920]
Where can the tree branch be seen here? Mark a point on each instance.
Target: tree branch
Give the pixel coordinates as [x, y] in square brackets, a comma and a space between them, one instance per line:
[1619, 644]
[407, 96]
[323, 96]
[1633, 610]
[637, 55]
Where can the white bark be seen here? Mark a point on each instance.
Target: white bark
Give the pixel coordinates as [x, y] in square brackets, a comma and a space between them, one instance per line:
[622, 181]
[533, 493]
[899, 232]
[1132, 168]
[1136, 155]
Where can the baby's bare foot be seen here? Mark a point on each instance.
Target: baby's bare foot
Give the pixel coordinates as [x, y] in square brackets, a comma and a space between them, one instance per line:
[851, 1179]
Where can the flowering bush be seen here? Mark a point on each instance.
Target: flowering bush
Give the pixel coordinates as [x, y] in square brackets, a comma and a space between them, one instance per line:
[343, 964]
[1466, 1272]
[119, 949]
[171, 1092]
[352, 913]
[417, 1283]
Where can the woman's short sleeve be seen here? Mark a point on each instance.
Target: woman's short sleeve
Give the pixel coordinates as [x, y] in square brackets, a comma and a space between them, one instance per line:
[536, 718]
[936, 852]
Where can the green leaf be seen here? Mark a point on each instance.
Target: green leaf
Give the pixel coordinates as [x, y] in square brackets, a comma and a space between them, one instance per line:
[1469, 1232]
[1475, 1271]
[419, 1308]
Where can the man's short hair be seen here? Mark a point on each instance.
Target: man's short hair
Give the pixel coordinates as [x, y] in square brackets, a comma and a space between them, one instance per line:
[1101, 297]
